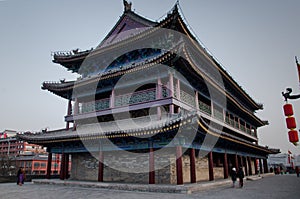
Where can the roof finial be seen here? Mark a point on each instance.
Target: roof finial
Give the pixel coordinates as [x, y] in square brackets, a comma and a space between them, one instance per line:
[127, 6]
[176, 6]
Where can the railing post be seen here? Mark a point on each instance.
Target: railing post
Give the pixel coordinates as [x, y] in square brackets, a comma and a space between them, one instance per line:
[158, 96]
[196, 100]
[76, 111]
[178, 89]
[212, 108]
[171, 90]
[69, 112]
[112, 99]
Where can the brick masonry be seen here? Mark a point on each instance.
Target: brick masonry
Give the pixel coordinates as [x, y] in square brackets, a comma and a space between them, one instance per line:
[121, 167]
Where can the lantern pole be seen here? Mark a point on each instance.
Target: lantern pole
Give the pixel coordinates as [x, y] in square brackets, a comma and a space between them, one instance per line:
[293, 134]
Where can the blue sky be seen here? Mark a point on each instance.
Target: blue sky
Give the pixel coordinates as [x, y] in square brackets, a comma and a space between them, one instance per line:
[255, 41]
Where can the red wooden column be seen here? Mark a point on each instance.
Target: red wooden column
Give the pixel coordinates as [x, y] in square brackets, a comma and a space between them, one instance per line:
[192, 165]
[179, 172]
[49, 163]
[66, 166]
[62, 167]
[249, 165]
[236, 161]
[255, 166]
[260, 166]
[101, 166]
[225, 166]
[210, 166]
[242, 163]
[69, 112]
[265, 166]
[246, 166]
[151, 166]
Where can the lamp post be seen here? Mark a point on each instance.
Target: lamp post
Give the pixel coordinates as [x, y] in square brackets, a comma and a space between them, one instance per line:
[288, 111]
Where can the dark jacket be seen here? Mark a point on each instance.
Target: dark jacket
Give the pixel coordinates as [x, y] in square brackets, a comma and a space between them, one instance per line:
[233, 175]
[240, 173]
[18, 175]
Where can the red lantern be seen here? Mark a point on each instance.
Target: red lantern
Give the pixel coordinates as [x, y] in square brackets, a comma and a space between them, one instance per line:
[291, 123]
[293, 136]
[288, 110]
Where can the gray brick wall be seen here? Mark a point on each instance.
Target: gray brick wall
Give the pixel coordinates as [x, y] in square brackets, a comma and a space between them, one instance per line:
[85, 167]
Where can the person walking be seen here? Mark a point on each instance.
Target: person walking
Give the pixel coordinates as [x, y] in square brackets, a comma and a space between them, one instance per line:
[21, 176]
[233, 176]
[18, 175]
[241, 175]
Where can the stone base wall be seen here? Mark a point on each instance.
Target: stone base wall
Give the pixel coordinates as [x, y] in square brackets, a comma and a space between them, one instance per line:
[84, 167]
[119, 167]
[132, 168]
[218, 173]
[202, 173]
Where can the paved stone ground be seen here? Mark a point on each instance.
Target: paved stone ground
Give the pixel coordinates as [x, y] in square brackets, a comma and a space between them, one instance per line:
[272, 187]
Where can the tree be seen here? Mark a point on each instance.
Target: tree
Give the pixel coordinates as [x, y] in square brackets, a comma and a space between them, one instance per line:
[7, 165]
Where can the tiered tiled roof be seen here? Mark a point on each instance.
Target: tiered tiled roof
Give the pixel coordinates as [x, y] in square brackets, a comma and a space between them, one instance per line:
[173, 21]
[112, 129]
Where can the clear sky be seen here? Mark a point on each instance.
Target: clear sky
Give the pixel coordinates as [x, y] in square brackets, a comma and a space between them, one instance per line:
[255, 41]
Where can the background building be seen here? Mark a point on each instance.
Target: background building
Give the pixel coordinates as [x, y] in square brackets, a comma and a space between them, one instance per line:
[11, 146]
[287, 161]
[37, 164]
[15, 153]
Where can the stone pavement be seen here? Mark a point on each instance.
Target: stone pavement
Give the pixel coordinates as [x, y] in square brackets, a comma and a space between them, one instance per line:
[269, 187]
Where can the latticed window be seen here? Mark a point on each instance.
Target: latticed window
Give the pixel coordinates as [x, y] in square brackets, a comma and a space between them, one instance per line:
[135, 98]
[164, 92]
[187, 98]
[102, 104]
[218, 115]
[204, 107]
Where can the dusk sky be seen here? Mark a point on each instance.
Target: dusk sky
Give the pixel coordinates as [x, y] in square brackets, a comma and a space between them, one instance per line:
[255, 41]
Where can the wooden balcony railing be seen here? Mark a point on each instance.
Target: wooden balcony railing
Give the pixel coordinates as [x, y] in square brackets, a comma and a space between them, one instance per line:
[150, 95]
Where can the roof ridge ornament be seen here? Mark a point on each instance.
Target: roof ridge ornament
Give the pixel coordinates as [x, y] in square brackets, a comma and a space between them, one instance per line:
[127, 6]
